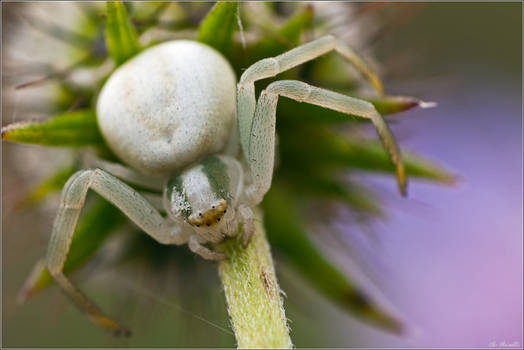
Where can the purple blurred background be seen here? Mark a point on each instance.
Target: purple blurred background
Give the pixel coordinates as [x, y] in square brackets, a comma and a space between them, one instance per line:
[453, 256]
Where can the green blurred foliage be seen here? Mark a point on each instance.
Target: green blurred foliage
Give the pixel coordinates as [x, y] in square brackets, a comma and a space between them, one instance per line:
[121, 38]
[217, 28]
[71, 129]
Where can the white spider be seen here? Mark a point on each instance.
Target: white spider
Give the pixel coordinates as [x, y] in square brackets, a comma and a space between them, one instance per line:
[170, 114]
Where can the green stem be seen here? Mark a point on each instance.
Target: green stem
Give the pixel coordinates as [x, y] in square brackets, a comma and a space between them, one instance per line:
[252, 292]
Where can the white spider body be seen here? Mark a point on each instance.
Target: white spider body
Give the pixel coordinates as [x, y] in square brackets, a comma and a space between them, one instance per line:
[169, 106]
[170, 113]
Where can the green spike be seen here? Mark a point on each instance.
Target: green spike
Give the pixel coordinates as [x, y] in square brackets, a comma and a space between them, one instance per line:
[218, 26]
[330, 149]
[121, 38]
[393, 104]
[371, 156]
[71, 129]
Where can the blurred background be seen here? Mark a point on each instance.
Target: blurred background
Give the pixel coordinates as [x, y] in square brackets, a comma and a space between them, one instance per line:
[449, 259]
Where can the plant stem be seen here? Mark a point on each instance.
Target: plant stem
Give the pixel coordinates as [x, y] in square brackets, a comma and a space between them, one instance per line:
[253, 296]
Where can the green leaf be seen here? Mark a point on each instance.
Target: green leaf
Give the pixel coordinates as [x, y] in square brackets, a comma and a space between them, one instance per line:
[71, 129]
[52, 184]
[328, 148]
[286, 234]
[370, 155]
[121, 38]
[217, 28]
[94, 228]
[393, 104]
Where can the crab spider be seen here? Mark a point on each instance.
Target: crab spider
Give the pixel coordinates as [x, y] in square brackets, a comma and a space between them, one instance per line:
[170, 114]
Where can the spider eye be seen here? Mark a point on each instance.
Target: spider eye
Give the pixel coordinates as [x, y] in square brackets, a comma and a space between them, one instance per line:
[225, 211]
[212, 207]
[197, 225]
[218, 219]
[208, 224]
[199, 214]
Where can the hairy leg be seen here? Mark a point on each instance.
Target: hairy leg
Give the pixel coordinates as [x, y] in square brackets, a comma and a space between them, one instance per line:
[195, 245]
[125, 173]
[248, 226]
[261, 139]
[269, 67]
[126, 199]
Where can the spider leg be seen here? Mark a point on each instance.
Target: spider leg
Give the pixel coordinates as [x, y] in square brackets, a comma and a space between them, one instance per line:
[126, 199]
[269, 67]
[155, 199]
[261, 139]
[248, 226]
[195, 245]
[155, 183]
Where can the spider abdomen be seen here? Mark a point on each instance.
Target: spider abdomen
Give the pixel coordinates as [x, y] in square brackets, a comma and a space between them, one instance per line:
[168, 106]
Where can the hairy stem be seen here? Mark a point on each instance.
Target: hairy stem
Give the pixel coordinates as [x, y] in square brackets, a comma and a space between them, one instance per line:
[252, 292]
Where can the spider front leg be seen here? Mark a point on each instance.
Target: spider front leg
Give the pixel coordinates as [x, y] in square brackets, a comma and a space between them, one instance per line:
[269, 67]
[126, 199]
[260, 151]
[248, 225]
[195, 245]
